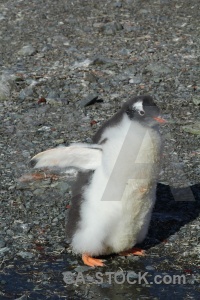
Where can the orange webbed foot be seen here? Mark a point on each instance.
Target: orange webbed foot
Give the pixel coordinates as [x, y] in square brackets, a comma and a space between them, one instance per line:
[91, 261]
[133, 251]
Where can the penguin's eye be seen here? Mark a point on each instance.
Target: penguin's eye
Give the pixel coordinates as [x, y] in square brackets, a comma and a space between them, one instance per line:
[141, 112]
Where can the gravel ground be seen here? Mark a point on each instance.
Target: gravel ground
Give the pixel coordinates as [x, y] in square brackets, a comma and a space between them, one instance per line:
[56, 58]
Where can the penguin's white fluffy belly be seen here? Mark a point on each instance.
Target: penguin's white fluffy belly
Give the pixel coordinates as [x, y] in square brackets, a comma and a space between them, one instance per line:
[118, 201]
[132, 226]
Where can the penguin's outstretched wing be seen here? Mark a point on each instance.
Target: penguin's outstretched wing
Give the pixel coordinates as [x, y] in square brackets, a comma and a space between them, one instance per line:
[81, 156]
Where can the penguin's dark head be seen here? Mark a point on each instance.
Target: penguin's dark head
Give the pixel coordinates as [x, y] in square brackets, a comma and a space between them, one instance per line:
[143, 109]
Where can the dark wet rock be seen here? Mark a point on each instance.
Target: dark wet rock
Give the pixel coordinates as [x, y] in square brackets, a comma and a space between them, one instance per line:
[4, 250]
[149, 268]
[2, 242]
[82, 269]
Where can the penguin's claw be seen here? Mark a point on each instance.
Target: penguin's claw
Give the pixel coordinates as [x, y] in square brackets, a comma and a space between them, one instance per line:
[91, 261]
[134, 251]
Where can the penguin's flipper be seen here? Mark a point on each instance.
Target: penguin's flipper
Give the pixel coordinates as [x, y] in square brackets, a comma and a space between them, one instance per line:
[81, 156]
[91, 261]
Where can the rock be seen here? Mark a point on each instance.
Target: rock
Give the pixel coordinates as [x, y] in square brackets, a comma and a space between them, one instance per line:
[157, 69]
[52, 95]
[23, 297]
[10, 232]
[23, 227]
[4, 250]
[59, 141]
[5, 90]
[90, 77]
[82, 269]
[27, 50]
[2, 243]
[62, 187]
[25, 93]
[25, 254]
[54, 101]
[196, 100]
[135, 80]
[111, 28]
[150, 268]
[125, 52]
[118, 4]
[157, 79]
[61, 39]
[82, 64]
[193, 128]
[2, 17]
[101, 61]
[90, 99]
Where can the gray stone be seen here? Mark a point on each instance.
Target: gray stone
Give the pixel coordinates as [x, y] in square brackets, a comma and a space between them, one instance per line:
[54, 101]
[111, 28]
[25, 93]
[82, 64]
[5, 90]
[193, 128]
[53, 95]
[82, 268]
[27, 50]
[23, 297]
[25, 255]
[135, 80]
[99, 60]
[2, 243]
[150, 268]
[125, 52]
[90, 99]
[196, 100]
[90, 77]
[4, 250]
[2, 17]
[157, 79]
[63, 187]
[156, 69]
[118, 4]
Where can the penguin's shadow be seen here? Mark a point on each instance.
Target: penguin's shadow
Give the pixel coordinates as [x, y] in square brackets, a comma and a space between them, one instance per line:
[170, 214]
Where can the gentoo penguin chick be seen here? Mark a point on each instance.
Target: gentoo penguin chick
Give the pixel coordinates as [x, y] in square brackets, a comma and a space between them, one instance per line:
[114, 193]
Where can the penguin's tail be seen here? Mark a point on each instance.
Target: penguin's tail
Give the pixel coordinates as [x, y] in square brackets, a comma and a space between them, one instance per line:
[79, 156]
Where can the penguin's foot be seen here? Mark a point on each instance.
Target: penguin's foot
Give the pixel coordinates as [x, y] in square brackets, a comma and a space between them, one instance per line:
[133, 251]
[91, 261]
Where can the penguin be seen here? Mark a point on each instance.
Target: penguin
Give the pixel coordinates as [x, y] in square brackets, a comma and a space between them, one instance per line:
[115, 190]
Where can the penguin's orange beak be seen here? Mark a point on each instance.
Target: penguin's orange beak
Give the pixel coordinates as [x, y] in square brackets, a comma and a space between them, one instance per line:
[160, 120]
